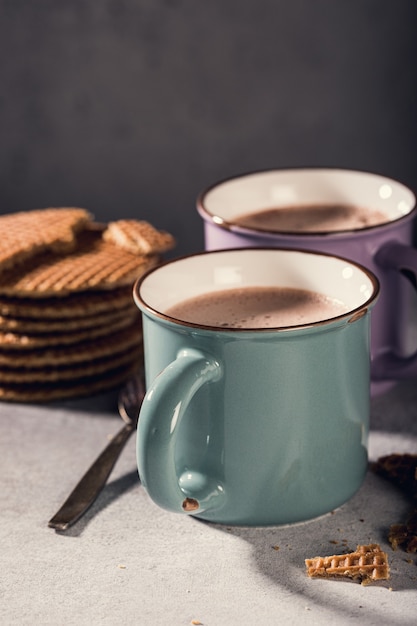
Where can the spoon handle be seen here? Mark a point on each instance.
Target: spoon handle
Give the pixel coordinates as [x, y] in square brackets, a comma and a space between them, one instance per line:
[93, 481]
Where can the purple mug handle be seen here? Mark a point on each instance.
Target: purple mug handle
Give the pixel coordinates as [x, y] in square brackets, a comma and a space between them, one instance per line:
[401, 258]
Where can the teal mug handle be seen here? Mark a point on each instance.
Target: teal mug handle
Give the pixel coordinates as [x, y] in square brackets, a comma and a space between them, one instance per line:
[163, 410]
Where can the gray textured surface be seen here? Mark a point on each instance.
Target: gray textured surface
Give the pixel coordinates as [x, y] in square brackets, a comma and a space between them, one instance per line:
[127, 561]
[131, 107]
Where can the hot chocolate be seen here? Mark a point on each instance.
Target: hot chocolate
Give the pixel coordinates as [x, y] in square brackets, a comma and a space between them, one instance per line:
[257, 307]
[312, 218]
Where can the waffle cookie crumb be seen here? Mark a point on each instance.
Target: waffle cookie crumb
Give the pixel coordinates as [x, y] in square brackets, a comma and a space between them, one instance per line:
[366, 564]
[401, 470]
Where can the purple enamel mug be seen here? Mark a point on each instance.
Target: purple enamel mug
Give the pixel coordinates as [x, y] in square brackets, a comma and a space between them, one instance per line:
[361, 216]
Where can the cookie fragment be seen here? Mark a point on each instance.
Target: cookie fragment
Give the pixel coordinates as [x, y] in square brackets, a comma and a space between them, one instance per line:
[401, 470]
[405, 535]
[138, 237]
[367, 564]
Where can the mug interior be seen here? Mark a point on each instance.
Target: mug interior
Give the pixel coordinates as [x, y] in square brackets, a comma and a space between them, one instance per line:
[204, 273]
[225, 202]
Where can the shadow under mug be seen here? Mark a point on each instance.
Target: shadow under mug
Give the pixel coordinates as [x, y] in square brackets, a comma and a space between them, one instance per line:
[386, 249]
[254, 426]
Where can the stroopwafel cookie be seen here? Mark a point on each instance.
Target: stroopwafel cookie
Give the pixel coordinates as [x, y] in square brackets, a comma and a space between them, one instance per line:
[94, 264]
[40, 326]
[67, 307]
[89, 350]
[25, 341]
[25, 234]
[76, 371]
[66, 389]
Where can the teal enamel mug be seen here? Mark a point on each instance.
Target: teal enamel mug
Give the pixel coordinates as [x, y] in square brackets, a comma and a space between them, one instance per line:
[257, 369]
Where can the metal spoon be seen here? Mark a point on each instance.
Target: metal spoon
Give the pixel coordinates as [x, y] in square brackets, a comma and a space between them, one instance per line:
[93, 481]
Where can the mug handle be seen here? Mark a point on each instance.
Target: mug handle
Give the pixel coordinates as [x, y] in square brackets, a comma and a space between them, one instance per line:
[403, 259]
[162, 412]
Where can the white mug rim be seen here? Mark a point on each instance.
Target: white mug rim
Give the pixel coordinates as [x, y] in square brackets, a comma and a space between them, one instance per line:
[351, 315]
[229, 224]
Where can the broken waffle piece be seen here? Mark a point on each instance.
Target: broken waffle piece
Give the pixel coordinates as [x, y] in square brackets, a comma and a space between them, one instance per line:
[401, 470]
[405, 535]
[367, 564]
[138, 237]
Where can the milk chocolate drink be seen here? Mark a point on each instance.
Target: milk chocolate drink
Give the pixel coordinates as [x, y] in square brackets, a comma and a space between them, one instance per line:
[257, 307]
[255, 425]
[312, 218]
[383, 243]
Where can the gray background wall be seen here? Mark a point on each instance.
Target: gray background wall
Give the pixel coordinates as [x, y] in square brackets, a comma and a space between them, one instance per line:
[130, 107]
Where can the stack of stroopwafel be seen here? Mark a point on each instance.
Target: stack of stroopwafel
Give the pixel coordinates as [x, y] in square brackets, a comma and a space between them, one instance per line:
[68, 323]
